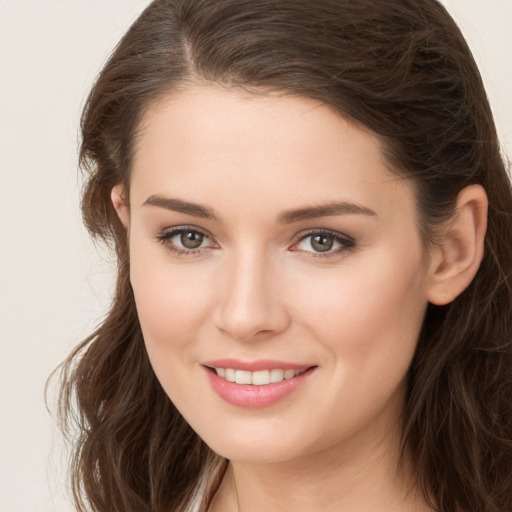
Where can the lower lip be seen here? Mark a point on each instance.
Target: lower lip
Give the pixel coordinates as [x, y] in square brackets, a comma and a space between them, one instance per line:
[255, 397]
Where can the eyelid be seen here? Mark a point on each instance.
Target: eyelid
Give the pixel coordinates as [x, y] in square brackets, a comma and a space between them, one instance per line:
[165, 236]
[346, 242]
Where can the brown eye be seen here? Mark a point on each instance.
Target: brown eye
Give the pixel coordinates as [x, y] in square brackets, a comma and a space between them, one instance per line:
[191, 239]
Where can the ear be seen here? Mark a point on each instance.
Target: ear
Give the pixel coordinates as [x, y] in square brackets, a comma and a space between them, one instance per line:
[120, 205]
[457, 257]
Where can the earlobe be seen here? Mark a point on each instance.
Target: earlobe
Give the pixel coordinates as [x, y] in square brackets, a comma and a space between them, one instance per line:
[457, 257]
[120, 205]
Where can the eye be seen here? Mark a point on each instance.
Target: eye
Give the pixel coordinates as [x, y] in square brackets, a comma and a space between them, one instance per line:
[190, 239]
[323, 243]
[185, 240]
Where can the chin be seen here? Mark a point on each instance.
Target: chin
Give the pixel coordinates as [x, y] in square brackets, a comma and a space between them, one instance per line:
[255, 452]
[262, 446]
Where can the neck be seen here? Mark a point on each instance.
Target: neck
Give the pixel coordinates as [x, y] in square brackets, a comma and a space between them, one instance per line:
[365, 476]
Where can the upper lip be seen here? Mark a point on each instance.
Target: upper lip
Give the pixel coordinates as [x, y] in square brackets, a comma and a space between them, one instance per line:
[257, 365]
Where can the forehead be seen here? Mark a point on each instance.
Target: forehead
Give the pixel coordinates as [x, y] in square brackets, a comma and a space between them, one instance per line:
[211, 114]
[208, 143]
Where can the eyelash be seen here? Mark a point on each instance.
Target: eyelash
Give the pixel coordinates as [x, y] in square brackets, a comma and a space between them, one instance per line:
[346, 243]
[165, 239]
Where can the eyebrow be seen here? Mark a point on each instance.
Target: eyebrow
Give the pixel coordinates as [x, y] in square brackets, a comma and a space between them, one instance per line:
[177, 205]
[288, 217]
[325, 210]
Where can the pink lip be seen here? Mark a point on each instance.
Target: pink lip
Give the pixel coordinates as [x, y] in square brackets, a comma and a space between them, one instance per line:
[255, 366]
[255, 397]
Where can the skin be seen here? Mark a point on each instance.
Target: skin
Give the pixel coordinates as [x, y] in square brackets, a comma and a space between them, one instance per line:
[258, 289]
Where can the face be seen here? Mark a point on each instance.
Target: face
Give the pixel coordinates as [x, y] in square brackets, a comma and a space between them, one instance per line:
[270, 246]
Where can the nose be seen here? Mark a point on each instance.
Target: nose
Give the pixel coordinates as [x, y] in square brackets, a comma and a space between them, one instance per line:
[251, 304]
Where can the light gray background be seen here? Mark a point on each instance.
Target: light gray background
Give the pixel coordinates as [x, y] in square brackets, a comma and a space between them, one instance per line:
[54, 285]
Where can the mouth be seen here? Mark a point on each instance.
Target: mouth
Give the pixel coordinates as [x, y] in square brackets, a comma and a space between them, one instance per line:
[259, 384]
[257, 378]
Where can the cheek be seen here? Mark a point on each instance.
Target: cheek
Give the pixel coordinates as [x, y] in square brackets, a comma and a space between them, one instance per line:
[370, 313]
[171, 300]
[366, 324]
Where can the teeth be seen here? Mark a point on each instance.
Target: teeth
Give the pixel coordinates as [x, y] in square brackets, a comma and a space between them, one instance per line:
[259, 378]
[243, 377]
[276, 375]
[288, 374]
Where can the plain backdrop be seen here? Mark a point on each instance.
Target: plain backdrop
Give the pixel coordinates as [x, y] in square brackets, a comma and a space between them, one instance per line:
[54, 284]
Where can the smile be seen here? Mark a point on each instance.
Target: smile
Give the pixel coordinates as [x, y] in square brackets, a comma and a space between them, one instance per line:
[257, 378]
[258, 384]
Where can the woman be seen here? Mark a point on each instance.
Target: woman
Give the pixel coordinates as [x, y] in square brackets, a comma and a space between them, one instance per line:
[312, 223]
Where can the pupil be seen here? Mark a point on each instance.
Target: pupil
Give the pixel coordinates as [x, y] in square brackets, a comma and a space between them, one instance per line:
[322, 243]
[191, 239]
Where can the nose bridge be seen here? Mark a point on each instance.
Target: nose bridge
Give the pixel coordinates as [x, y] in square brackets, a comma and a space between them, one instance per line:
[249, 300]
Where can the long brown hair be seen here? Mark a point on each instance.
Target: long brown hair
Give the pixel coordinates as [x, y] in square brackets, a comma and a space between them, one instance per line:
[401, 68]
